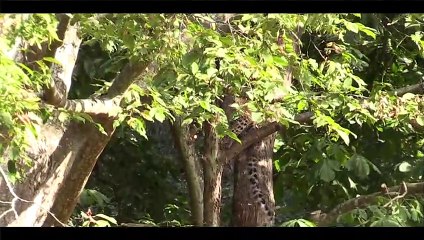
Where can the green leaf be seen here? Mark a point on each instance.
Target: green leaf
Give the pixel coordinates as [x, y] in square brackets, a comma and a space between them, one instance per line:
[102, 223]
[320, 120]
[205, 105]
[107, 218]
[138, 125]
[347, 83]
[211, 71]
[420, 120]
[268, 59]
[280, 61]
[233, 136]
[352, 184]
[405, 167]
[101, 128]
[257, 117]
[11, 167]
[374, 167]
[353, 27]
[408, 96]
[338, 152]
[189, 58]
[64, 116]
[326, 171]
[187, 121]
[367, 30]
[147, 115]
[385, 223]
[221, 53]
[6, 119]
[302, 105]
[160, 116]
[52, 60]
[344, 136]
[305, 223]
[313, 63]
[358, 164]
[277, 165]
[331, 67]
[291, 223]
[194, 68]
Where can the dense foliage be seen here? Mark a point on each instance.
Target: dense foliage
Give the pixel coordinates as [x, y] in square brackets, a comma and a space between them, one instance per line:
[345, 68]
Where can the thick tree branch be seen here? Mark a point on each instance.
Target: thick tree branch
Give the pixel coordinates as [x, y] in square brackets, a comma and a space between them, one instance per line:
[324, 219]
[127, 76]
[93, 106]
[416, 89]
[303, 118]
[65, 53]
[253, 136]
[108, 104]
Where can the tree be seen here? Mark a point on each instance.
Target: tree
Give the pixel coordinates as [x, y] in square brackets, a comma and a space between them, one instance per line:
[310, 94]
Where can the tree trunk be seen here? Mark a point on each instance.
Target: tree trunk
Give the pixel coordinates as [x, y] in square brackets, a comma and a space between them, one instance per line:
[63, 166]
[185, 141]
[64, 154]
[86, 156]
[212, 170]
[253, 201]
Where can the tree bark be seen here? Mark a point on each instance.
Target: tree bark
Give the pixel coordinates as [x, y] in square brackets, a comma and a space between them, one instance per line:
[64, 154]
[80, 170]
[185, 140]
[212, 170]
[251, 208]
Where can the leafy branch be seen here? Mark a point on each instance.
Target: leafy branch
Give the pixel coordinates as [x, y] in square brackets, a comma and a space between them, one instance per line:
[397, 192]
[304, 118]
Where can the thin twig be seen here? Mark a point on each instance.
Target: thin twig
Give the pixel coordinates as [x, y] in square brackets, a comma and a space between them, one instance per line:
[319, 51]
[402, 195]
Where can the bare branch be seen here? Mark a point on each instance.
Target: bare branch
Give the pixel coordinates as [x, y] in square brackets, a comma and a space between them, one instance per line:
[416, 89]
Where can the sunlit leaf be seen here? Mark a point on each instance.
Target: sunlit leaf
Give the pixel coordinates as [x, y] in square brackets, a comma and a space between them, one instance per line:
[405, 167]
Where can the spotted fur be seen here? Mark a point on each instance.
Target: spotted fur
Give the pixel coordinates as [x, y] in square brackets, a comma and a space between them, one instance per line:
[241, 127]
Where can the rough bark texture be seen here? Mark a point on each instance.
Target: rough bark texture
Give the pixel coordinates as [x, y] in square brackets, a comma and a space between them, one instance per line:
[35, 195]
[253, 202]
[91, 142]
[65, 153]
[41, 181]
[185, 141]
[212, 170]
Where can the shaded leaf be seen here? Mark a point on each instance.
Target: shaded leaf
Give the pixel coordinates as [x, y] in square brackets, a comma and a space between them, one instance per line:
[359, 165]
